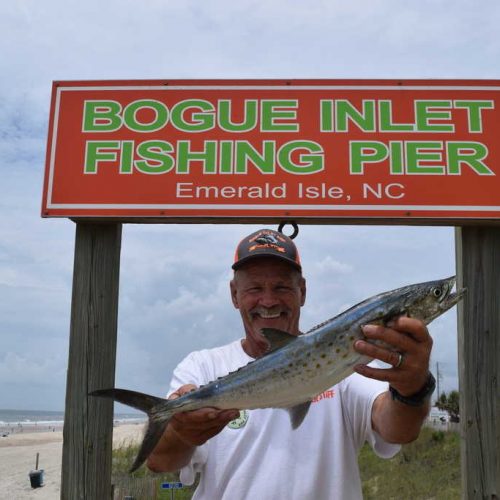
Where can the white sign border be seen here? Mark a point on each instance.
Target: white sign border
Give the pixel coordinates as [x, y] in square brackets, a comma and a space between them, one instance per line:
[254, 207]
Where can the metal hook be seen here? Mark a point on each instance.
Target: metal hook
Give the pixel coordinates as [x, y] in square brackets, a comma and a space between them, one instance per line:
[293, 224]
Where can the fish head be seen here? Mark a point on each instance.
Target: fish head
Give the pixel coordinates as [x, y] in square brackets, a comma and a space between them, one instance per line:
[426, 301]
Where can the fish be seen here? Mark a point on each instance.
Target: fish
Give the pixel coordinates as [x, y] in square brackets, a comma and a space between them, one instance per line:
[295, 369]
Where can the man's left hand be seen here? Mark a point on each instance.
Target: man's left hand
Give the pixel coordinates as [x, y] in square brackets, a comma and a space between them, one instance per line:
[408, 350]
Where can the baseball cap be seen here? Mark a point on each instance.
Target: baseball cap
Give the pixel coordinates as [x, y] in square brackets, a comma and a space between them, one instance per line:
[266, 243]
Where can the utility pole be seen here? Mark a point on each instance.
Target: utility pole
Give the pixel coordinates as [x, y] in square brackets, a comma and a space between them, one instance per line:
[438, 376]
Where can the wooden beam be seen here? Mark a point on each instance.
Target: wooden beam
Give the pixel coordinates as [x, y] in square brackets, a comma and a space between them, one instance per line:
[88, 421]
[478, 269]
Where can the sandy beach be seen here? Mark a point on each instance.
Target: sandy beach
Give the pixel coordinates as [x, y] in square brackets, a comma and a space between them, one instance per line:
[18, 454]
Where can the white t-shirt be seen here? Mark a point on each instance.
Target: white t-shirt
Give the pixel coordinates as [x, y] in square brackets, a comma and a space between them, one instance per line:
[259, 456]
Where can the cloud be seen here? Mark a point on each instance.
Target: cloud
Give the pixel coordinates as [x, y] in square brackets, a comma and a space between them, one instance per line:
[174, 293]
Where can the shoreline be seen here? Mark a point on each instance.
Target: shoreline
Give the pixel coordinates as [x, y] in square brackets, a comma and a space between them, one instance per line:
[18, 455]
[7, 429]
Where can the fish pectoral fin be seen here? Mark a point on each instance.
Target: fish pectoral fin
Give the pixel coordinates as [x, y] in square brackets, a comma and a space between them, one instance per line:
[277, 338]
[298, 413]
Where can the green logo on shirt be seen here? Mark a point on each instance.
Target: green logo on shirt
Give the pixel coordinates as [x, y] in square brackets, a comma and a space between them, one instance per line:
[239, 422]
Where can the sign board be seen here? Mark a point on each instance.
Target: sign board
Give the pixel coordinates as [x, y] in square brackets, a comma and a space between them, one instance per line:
[171, 486]
[305, 149]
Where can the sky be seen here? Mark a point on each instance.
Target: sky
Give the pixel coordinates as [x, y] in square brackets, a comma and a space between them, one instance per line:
[174, 295]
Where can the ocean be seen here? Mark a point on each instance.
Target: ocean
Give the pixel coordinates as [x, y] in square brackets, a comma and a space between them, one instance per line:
[54, 418]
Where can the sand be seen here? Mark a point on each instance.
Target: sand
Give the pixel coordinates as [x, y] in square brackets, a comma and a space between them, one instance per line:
[18, 454]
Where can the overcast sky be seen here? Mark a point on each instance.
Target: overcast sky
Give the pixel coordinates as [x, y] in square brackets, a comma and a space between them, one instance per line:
[174, 293]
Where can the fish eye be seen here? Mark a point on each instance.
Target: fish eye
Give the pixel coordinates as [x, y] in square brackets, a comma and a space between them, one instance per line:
[437, 292]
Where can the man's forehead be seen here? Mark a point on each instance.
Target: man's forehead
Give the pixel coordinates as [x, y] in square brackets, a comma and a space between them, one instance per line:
[267, 268]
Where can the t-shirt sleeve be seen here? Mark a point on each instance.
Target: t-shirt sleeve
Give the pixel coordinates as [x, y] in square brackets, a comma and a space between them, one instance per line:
[188, 371]
[358, 396]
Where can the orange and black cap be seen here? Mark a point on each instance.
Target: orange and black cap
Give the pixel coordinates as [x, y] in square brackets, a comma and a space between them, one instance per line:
[267, 243]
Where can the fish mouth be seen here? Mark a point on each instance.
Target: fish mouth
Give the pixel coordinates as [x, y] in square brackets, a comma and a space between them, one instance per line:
[453, 298]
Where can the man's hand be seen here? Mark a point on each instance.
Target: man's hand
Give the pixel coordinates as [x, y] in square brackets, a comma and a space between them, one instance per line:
[196, 427]
[186, 431]
[407, 337]
[408, 351]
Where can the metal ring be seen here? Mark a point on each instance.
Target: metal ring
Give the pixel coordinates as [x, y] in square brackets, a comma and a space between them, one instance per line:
[293, 224]
[400, 360]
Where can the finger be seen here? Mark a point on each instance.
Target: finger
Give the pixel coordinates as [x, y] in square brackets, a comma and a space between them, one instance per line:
[190, 428]
[411, 326]
[196, 416]
[184, 389]
[376, 352]
[389, 336]
[202, 415]
[384, 375]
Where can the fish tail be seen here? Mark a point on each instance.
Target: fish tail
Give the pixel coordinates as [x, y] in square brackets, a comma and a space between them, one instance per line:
[148, 405]
[137, 400]
[153, 434]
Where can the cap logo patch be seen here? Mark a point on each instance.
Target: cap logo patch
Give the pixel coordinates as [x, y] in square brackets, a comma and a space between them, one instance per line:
[267, 240]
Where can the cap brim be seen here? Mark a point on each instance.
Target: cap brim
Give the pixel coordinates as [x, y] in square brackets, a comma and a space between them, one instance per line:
[248, 258]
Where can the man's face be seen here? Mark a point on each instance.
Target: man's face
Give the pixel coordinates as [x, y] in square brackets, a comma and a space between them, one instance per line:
[269, 294]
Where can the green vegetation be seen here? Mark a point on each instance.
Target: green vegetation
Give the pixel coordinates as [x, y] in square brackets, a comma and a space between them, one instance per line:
[427, 469]
[142, 484]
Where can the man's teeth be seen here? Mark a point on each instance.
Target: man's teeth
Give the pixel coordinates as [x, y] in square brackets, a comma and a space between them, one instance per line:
[268, 315]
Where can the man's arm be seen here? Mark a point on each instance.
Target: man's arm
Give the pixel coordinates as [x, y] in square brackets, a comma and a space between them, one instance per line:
[185, 432]
[395, 421]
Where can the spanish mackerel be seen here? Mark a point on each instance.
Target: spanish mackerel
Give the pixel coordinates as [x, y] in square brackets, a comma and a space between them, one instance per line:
[295, 369]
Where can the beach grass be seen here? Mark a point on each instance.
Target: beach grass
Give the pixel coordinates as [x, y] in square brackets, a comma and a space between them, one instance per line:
[142, 484]
[428, 468]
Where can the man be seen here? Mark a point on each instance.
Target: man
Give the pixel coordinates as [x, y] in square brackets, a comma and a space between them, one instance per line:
[256, 454]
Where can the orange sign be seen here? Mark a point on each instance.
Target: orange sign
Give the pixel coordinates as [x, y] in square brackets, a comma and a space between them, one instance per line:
[305, 149]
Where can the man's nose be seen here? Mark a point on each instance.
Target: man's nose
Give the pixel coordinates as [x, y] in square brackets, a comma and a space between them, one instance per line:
[268, 298]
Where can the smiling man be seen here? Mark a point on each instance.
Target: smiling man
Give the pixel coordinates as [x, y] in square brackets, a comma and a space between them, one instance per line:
[267, 288]
[256, 454]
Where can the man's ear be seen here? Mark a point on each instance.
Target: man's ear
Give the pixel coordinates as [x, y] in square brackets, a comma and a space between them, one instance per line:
[232, 286]
[303, 289]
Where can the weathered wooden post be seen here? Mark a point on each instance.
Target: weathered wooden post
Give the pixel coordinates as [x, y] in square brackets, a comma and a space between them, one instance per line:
[478, 269]
[88, 421]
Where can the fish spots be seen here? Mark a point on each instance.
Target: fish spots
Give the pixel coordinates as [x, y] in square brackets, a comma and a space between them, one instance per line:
[318, 365]
[330, 344]
[305, 365]
[337, 350]
[323, 356]
[344, 355]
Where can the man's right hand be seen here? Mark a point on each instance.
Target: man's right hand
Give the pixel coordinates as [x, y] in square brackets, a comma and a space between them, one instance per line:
[184, 432]
[196, 427]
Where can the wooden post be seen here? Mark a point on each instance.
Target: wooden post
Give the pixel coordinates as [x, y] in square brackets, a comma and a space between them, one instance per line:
[88, 421]
[478, 269]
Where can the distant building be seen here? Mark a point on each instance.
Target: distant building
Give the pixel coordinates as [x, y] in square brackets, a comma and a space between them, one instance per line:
[437, 416]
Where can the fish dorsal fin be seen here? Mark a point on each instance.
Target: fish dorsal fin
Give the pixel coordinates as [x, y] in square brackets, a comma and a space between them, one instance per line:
[277, 338]
[298, 413]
